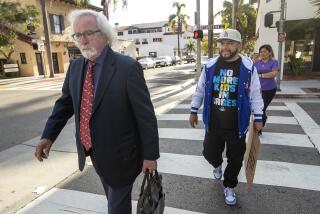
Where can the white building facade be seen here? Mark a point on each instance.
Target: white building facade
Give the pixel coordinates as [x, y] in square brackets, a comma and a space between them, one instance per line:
[301, 30]
[155, 39]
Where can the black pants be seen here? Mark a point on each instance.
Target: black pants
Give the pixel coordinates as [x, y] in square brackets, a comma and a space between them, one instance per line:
[213, 147]
[267, 97]
[119, 199]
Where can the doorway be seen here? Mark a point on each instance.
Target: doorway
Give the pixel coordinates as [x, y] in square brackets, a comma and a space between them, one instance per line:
[39, 63]
[55, 63]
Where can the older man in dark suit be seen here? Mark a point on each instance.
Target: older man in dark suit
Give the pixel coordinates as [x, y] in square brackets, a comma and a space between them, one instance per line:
[114, 117]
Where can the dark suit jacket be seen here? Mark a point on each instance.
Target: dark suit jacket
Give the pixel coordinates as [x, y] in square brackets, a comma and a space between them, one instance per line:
[123, 124]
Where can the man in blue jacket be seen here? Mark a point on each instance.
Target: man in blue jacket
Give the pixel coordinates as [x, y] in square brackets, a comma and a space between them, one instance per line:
[229, 89]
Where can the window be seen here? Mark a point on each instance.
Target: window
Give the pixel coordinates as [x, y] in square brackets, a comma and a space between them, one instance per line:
[157, 39]
[120, 33]
[57, 23]
[129, 31]
[268, 1]
[137, 42]
[23, 58]
[144, 41]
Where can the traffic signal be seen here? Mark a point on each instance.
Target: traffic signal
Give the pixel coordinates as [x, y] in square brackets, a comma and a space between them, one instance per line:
[198, 34]
[268, 20]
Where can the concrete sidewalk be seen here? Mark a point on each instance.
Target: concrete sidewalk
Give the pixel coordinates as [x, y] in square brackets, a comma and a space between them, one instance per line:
[299, 89]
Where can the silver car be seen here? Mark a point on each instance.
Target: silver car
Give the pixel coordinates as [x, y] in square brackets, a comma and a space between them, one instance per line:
[147, 63]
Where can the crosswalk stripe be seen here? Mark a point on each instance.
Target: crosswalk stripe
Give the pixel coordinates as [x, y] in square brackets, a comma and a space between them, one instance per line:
[278, 108]
[58, 201]
[271, 119]
[267, 172]
[283, 139]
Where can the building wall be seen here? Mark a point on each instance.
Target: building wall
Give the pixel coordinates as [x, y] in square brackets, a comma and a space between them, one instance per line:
[30, 68]
[159, 49]
[168, 39]
[295, 10]
[59, 42]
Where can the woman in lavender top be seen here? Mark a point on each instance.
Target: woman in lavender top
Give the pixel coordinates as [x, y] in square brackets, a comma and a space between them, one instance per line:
[267, 68]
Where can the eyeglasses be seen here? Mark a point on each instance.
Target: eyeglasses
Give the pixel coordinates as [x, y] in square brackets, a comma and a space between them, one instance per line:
[87, 34]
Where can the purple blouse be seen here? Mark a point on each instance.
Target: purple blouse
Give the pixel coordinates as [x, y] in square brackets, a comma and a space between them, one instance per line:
[266, 67]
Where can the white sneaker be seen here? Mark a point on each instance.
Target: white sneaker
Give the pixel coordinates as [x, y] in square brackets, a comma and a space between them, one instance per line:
[230, 196]
[217, 173]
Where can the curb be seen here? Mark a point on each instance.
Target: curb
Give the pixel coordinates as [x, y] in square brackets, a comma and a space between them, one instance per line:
[298, 96]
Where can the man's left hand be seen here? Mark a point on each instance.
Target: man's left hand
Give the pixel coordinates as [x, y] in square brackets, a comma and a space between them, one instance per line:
[151, 165]
[258, 126]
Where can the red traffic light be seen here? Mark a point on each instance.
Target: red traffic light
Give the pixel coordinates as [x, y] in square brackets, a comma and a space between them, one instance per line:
[198, 34]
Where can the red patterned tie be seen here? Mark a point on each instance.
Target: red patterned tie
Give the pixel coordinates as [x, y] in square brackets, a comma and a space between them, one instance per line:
[86, 107]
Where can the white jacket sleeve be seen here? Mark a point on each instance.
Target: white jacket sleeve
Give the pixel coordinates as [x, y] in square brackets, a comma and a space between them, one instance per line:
[197, 98]
[255, 96]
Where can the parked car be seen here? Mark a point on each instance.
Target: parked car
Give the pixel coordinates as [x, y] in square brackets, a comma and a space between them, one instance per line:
[190, 59]
[204, 60]
[147, 63]
[176, 60]
[163, 61]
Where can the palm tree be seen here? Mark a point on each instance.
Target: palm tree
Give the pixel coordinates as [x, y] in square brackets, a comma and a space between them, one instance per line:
[81, 3]
[107, 5]
[245, 18]
[190, 46]
[317, 4]
[178, 20]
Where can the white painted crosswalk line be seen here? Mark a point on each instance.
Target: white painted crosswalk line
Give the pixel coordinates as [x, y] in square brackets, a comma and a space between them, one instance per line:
[283, 139]
[271, 119]
[278, 108]
[310, 127]
[61, 201]
[273, 173]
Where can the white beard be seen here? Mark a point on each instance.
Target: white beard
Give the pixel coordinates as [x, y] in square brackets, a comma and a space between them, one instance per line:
[87, 51]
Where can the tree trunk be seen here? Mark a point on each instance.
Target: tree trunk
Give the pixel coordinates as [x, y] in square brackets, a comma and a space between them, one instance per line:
[46, 35]
[234, 14]
[179, 28]
[106, 9]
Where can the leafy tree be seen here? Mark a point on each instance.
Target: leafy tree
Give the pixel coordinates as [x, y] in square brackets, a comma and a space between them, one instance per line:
[81, 3]
[15, 18]
[204, 47]
[108, 3]
[190, 46]
[177, 21]
[245, 16]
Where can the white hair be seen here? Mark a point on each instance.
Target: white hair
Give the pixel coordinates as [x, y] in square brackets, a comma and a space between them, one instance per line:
[102, 22]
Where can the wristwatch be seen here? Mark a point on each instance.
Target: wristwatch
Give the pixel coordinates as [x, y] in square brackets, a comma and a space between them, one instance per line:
[261, 75]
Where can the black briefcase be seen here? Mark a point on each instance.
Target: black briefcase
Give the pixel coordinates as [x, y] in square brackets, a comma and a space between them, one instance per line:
[151, 198]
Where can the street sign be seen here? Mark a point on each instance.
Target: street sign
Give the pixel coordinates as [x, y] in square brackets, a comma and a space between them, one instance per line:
[211, 27]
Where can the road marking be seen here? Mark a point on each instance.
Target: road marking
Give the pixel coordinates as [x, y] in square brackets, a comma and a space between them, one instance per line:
[271, 119]
[273, 173]
[308, 125]
[283, 139]
[278, 108]
[58, 201]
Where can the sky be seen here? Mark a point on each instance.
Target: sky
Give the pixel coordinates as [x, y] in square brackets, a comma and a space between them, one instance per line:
[144, 11]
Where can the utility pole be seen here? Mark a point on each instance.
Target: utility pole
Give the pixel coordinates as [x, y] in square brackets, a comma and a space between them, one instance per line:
[280, 39]
[197, 19]
[46, 35]
[210, 28]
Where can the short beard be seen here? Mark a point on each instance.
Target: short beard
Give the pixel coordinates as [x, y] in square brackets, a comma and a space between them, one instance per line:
[232, 54]
[87, 51]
